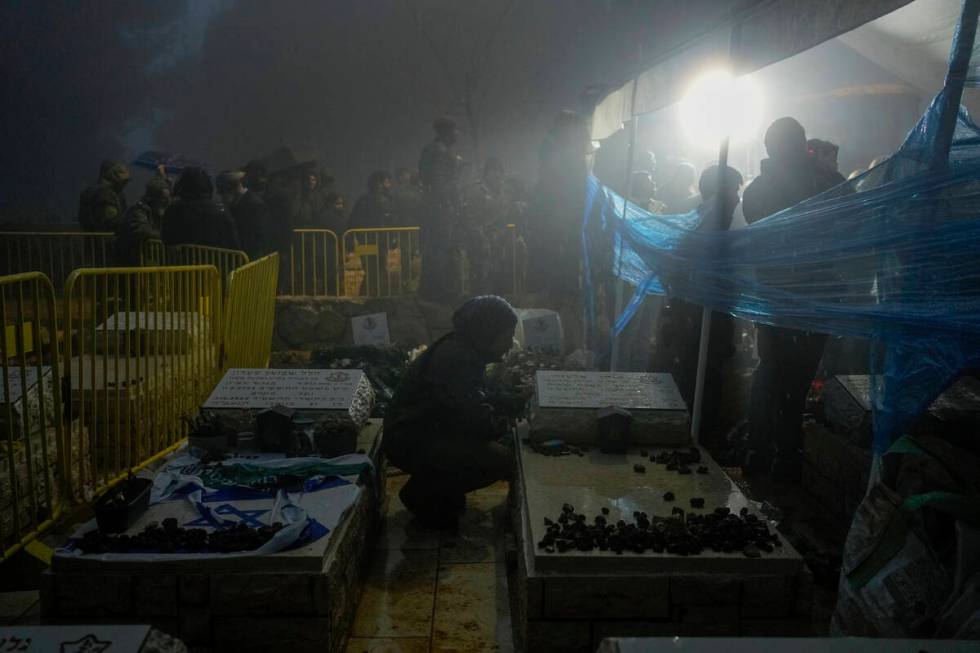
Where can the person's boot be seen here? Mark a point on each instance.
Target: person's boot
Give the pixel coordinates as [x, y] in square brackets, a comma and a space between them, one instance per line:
[430, 510]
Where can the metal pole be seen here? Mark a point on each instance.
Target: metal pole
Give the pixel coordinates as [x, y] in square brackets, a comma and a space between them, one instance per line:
[959, 64]
[706, 311]
[614, 354]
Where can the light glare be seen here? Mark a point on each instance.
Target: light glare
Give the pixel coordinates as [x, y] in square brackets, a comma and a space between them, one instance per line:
[718, 105]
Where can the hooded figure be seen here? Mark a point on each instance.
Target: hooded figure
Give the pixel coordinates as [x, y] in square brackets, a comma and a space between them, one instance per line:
[195, 218]
[440, 428]
[102, 205]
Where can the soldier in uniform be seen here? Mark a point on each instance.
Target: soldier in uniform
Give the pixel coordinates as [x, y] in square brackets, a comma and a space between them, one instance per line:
[441, 427]
[142, 221]
[195, 218]
[103, 204]
[439, 167]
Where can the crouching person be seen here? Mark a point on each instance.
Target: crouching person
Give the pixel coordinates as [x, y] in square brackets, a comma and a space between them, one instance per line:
[440, 428]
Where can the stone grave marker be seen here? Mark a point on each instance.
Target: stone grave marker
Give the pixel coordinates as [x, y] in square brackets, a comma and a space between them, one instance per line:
[153, 332]
[847, 407]
[540, 330]
[565, 405]
[345, 395]
[371, 330]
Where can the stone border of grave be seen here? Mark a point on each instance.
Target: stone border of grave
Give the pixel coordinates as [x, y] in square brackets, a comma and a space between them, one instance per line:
[240, 609]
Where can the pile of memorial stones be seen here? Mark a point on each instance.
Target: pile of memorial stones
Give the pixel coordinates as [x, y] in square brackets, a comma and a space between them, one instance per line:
[170, 538]
[681, 533]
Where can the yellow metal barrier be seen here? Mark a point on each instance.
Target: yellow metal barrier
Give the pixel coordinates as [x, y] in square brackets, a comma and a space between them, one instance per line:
[55, 254]
[250, 312]
[141, 353]
[382, 262]
[225, 260]
[31, 430]
[153, 253]
[315, 268]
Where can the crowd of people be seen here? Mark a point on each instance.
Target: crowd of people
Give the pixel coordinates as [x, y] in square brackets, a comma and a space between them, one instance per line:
[255, 210]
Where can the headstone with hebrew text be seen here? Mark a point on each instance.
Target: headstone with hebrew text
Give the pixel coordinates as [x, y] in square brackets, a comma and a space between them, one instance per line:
[565, 405]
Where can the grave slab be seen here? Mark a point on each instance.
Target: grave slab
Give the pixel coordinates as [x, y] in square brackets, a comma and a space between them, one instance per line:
[303, 599]
[781, 645]
[847, 407]
[153, 332]
[596, 481]
[345, 395]
[569, 601]
[565, 404]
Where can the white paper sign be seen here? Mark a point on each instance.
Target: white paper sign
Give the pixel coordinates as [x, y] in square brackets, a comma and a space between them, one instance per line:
[602, 389]
[543, 333]
[371, 329]
[258, 389]
[35, 639]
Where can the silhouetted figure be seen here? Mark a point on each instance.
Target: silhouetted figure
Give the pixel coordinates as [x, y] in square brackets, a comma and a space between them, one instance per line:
[788, 358]
[249, 213]
[484, 213]
[102, 205]
[408, 198]
[142, 221]
[557, 205]
[678, 194]
[440, 427]
[679, 335]
[195, 218]
[825, 153]
[439, 167]
[334, 216]
[376, 208]
[312, 205]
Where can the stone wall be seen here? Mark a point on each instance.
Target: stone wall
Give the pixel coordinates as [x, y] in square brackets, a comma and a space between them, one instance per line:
[310, 323]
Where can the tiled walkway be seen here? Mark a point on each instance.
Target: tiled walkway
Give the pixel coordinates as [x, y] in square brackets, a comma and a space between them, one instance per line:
[427, 591]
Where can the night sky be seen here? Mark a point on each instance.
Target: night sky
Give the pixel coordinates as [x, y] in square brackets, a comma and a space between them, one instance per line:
[354, 85]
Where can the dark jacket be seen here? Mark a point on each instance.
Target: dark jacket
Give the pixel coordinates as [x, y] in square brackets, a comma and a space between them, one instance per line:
[444, 393]
[140, 224]
[253, 225]
[375, 209]
[780, 186]
[101, 207]
[195, 218]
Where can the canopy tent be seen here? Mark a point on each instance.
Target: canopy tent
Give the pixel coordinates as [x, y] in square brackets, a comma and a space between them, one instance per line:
[909, 39]
[885, 257]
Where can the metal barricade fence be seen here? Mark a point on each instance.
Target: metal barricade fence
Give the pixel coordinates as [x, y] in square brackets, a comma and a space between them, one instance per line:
[225, 260]
[382, 262]
[55, 254]
[315, 268]
[141, 353]
[250, 312]
[32, 482]
[153, 253]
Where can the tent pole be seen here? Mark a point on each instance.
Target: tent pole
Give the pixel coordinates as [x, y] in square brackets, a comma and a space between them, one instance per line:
[614, 354]
[959, 64]
[706, 311]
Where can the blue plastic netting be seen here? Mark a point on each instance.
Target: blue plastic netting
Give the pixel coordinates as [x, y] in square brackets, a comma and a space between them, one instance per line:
[892, 256]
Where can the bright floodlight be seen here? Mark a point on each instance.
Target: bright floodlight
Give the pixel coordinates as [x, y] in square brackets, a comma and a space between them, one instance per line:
[718, 105]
